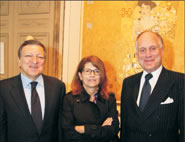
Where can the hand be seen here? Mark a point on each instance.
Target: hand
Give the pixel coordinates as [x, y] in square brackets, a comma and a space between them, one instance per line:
[107, 122]
[80, 129]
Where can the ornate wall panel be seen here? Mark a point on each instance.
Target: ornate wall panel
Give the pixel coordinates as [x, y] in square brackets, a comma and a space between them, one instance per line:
[40, 19]
[4, 40]
[4, 26]
[30, 24]
[43, 37]
[34, 7]
[4, 8]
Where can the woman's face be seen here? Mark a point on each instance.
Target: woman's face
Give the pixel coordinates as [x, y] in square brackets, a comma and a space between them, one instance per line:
[90, 76]
[145, 9]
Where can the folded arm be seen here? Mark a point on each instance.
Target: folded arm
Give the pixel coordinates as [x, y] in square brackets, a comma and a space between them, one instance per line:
[107, 130]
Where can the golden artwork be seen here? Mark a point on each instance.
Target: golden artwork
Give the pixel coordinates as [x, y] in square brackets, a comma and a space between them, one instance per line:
[110, 29]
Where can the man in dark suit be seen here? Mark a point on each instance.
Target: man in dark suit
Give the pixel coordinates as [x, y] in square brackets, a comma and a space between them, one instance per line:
[28, 113]
[152, 105]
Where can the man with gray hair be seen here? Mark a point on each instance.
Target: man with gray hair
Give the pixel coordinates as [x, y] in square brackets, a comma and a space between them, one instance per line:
[152, 102]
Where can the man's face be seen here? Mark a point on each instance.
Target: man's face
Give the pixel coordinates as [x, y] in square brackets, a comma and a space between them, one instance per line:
[149, 52]
[32, 61]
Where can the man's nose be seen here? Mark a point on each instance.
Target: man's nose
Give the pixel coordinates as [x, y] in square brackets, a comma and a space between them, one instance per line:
[34, 59]
[148, 52]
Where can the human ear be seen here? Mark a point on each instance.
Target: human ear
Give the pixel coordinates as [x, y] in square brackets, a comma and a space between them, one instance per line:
[80, 75]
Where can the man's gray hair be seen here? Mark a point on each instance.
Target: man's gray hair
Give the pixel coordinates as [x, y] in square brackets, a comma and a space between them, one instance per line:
[157, 34]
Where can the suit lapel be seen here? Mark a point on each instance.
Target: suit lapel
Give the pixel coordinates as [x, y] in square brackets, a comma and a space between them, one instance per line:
[18, 95]
[48, 97]
[133, 93]
[159, 93]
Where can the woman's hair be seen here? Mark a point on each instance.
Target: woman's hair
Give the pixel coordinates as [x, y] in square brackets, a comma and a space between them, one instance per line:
[149, 3]
[77, 85]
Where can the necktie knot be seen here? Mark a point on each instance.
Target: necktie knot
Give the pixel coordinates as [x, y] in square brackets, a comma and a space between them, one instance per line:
[148, 76]
[33, 84]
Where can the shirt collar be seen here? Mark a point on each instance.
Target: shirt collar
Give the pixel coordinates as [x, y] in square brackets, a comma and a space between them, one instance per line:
[85, 96]
[26, 81]
[155, 73]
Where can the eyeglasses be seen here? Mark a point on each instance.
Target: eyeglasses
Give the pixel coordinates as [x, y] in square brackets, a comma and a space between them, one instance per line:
[88, 71]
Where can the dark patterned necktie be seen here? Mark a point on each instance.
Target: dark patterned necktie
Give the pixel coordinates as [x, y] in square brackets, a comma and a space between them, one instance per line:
[36, 107]
[145, 94]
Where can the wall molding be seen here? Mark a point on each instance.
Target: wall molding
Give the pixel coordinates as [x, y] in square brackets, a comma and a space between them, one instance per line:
[72, 40]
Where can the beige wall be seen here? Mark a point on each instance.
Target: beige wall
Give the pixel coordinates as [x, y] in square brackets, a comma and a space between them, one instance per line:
[40, 19]
[72, 39]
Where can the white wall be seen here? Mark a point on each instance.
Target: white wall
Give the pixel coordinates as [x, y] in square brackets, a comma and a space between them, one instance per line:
[72, 39]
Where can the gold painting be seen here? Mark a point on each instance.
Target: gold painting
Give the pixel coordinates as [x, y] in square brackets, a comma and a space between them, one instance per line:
[110, 29]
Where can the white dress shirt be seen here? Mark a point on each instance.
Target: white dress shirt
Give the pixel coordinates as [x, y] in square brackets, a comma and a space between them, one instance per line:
[40, 90]
[152, 81]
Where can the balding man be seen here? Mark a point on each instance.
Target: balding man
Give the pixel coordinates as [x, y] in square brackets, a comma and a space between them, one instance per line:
[152, 102]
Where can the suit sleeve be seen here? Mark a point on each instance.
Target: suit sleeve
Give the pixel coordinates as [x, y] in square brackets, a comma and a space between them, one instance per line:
[123, 111]
[105, 133]
[62, 93]
[67, 119]
[3, 129]
[181, 111]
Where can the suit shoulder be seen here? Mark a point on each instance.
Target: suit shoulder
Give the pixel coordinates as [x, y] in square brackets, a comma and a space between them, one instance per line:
[71, 95]
[10, 80]
[70, 98]
[176, 75]
[133, 77]
[68, 102]
[52, 80]
[68, 95]
[112, 96]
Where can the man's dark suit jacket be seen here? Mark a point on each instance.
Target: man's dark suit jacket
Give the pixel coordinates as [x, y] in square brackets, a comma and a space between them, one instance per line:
[16, 123]
[158, 122]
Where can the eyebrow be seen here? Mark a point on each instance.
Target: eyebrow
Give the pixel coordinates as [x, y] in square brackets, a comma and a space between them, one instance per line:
[92, 69]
